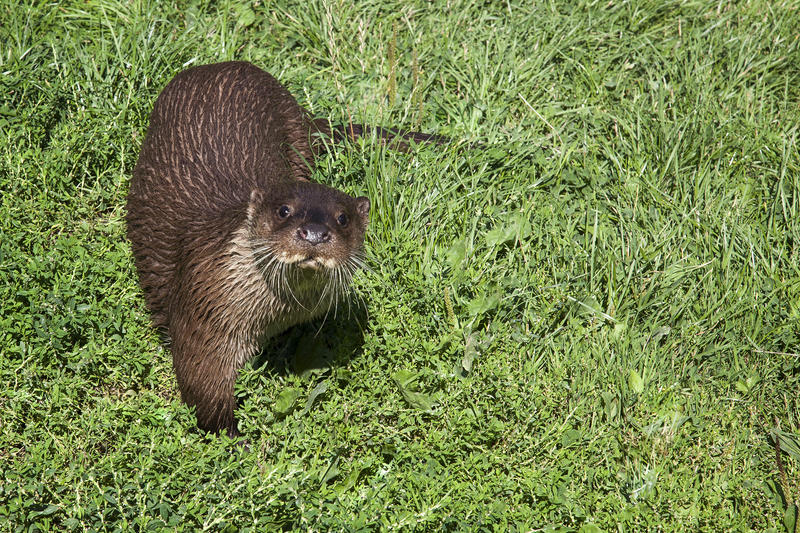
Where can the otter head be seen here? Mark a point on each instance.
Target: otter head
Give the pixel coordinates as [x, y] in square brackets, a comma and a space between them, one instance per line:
[307, 234]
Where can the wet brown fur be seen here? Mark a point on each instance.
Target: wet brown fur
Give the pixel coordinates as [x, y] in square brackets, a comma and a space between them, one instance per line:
[226, 149]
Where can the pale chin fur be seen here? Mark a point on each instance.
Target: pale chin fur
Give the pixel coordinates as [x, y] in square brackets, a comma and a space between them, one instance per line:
[313, 263]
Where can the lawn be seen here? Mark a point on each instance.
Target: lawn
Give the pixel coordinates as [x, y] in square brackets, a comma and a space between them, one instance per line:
[583, 314]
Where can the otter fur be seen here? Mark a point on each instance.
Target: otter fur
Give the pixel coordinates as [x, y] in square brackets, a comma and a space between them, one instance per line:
[232, 243]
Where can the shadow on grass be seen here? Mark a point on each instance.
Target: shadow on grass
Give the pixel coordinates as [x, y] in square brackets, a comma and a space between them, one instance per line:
[315, 347]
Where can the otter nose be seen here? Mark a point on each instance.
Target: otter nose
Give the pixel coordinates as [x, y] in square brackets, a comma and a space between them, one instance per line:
[314, 233]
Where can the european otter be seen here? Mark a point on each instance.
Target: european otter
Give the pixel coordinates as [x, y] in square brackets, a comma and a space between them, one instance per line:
[232, 243]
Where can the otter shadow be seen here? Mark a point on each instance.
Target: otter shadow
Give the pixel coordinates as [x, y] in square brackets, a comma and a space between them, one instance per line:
[315, 347]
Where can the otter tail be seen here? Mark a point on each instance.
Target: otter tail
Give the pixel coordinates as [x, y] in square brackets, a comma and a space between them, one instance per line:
[394, 138]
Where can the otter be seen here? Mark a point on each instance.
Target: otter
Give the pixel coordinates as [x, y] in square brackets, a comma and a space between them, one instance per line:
[232, 242]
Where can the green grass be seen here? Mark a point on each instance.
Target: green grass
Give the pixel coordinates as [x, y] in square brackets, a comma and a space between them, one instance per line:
[591, 323]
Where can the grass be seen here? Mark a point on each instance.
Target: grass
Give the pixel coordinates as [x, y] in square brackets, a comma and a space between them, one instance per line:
[589, 324]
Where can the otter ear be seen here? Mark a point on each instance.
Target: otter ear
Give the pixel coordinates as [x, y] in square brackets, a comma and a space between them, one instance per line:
[362, 206]
[256, 199]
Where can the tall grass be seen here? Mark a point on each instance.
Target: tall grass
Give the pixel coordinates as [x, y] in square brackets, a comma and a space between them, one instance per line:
[589, 320]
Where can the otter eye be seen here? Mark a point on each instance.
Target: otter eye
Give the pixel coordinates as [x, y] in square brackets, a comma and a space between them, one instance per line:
[342, 219]
[283, 211]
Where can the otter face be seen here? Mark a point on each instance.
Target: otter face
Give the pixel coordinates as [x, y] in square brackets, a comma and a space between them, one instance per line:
[304, 229]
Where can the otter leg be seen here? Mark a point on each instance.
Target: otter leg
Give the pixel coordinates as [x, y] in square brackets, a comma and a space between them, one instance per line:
[206, 366]
[211, 342]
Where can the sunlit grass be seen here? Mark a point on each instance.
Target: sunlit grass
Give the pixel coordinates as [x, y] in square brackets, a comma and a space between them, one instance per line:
[591, 318]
